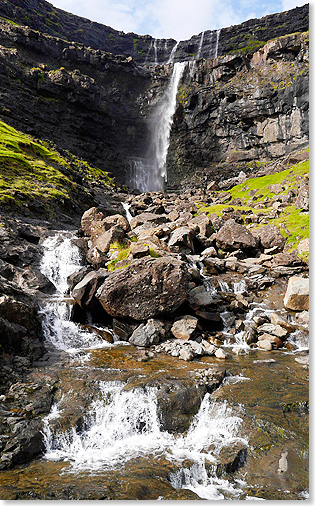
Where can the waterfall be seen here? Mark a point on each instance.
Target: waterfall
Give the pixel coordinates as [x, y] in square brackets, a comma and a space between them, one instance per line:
[173, 52]
[155, 52]
[148, 53]
[60, 259]
[126, 208]
[121, 425]
[200, 45]
[150, 173]
[217, 43]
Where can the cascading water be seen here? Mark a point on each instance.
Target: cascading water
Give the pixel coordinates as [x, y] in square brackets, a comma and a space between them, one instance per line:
[217, 43]
[173, 52]
[123, 425]
[200, 45]
[150, 173]
[60, 259]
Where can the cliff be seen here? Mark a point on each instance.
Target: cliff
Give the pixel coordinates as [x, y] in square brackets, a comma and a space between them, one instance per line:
[248, 36]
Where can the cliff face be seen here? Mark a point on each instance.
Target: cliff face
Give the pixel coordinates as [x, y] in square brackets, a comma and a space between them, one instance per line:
[248, 36]
[83, 100]
[237, 109]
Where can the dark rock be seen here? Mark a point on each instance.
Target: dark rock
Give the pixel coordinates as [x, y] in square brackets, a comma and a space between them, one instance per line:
[145, 289]
[122, 329]
[233, 236]
[147, 334]
[269, 237]
[84, 292]
[181, 240]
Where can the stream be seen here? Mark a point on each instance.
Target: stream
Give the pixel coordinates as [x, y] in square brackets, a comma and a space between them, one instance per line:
[105, 438]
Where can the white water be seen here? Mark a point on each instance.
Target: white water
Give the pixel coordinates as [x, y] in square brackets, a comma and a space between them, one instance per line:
[60, 259]
[200, 45]
[155, 51]
[124, 425]
[173, 52]
[217, 43]
[126, 208]
[150, 173]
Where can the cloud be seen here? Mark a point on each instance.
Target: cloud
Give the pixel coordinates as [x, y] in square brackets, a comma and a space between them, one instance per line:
[177, 19]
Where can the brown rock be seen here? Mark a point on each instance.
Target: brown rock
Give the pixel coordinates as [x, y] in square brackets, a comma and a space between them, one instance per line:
[185, 327]
[84, 291]
[269, 237]
[234, 236]
[297, 294]
[181, 240]
[145, 289]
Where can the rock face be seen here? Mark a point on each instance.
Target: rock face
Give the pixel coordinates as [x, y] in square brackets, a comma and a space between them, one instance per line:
[141, 47]
[297, 294]
[145, 289]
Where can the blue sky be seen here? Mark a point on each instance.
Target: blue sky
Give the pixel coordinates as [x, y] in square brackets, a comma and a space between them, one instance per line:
[177, 19]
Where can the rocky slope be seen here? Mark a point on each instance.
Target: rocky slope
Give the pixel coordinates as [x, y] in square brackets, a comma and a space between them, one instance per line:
[247, 36]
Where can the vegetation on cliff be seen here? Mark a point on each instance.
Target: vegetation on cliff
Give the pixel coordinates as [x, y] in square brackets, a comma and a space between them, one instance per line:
[33, 175]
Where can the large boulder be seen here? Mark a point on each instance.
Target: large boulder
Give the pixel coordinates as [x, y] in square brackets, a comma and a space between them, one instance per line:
[233, 236]
[142, 218]
[201, 224]
[297, 294]
[97, 253]
[90, 220]
[199, 297]
[145, 289]
[269, 237]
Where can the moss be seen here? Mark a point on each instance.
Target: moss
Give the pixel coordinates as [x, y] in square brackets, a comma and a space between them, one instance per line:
[31, 171]
[7, 20]
[153, 253]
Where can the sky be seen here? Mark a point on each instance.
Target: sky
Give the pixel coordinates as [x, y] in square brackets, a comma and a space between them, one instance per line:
[177, 19]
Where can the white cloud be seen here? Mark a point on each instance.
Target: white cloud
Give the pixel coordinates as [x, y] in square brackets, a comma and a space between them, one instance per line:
[290, 4]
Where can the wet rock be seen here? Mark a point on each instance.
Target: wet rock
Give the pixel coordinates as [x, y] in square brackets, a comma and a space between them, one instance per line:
[274, 340]
[146, 288]
[303, 318]
[221, 354]
[89, 220]
[185, 327]
[231, 458]
[101, 245]
[233, 236]
[277, 319]
[186, 354]
[85, 290]
[181, 240]
[147, 334]
[297, 294]
[122, 329]
[199, 297]
[265, 345]
[269, 237]
[76, 277]
[275, 330]
[250, 336]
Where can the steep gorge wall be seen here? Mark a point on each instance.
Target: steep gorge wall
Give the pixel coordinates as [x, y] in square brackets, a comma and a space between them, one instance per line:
[239, 109]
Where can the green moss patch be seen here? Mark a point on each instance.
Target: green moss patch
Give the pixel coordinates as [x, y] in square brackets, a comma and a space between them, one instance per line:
[31, 171]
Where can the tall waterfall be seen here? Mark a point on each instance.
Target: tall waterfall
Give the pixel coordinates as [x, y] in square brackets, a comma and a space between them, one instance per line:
[150, 173]
[60, 259]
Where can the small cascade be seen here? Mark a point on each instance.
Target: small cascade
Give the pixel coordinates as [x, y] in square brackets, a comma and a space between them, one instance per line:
[60, 259]
[224, 287]
[200, 45]
[240, 287]
[128, 214]
[121, 425]
[217, 43]
[148, 53]
[173, 52]
[155, 51]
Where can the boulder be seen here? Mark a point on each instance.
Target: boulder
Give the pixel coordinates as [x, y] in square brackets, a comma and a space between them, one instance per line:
[122, 329]
[303, 246]
[201, 224]
[97, 253]
[274, 340]
[297, 294]
[142, 218]
[221, 354]
[275, 330]
[147, 334]
[265, 345]
[146, 288]
[277, 319]
[85, 290]
[89, 220]
[181, 240]
[269, 237]
[286, 259]
[185, 327]
[302, 199]
[199, 297]
[233, 236]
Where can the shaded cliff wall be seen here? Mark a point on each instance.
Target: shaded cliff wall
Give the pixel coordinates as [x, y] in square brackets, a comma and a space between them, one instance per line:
[83, 100]
[238, 109]
[248, 36]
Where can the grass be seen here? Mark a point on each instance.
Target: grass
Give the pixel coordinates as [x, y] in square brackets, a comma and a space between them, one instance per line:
[293, 223]
[31, 171]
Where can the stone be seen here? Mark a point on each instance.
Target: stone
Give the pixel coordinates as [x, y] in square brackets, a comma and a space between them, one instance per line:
[89, 218]
[122, 329]
[233, 236]
[147, 334]
[201, 224]
[181, 240]
[302, 199]
[286, 259]
[302, 318]
[269, 237]
[199, 297]
[303, 246]
[265, 345]
[275, 188]
[221, 354]
[209, 349]
[277, 319]
[185, 327]
[297, 294]
[85, 290]
[274, 340]
[275, 330]
[97, 253]
[145, 289]
[186, 355]
[209, 252]
[140, 219]
[139, 250]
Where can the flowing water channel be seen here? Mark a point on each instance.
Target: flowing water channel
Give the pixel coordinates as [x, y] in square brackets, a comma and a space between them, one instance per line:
[105, 438]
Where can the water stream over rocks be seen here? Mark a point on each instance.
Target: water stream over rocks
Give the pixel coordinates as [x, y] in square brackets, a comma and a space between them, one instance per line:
[125, 426]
